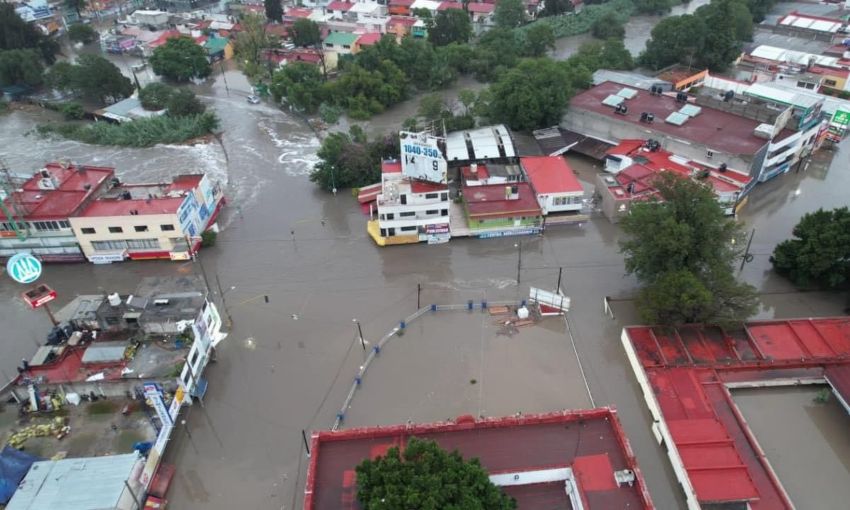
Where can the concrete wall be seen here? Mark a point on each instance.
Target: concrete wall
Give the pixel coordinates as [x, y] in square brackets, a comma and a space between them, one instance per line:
[128, 224]
[610, 207]
[603, 128]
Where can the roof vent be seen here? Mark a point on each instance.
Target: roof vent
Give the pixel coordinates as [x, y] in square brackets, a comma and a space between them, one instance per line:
[621, 109]
[647, 117]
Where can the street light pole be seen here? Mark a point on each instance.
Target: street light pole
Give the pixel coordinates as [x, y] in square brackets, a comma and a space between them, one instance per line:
[360, 333]
[518, 261]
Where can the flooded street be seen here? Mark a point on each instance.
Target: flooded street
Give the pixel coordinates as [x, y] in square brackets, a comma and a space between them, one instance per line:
[289, 362]
[811, 451]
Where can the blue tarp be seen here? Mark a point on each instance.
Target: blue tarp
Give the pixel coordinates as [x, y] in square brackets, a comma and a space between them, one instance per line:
[14, 465]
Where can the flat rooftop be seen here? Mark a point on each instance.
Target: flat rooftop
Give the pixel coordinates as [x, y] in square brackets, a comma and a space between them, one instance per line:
[143, 199]
[72, 186]
[591, 443]
[717, 130]
[686, 374]
[490, 201]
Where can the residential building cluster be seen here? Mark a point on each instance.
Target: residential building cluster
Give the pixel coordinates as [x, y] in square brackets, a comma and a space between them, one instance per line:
[71, 212]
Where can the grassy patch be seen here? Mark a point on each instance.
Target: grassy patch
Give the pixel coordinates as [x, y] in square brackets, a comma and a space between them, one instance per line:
[566, 25]
[138, 133]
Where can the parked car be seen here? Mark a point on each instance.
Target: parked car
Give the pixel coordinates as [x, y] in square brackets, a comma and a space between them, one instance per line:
[253, 99]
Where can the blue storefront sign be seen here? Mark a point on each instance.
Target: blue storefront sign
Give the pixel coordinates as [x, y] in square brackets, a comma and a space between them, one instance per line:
[512, 232]
[24, 268]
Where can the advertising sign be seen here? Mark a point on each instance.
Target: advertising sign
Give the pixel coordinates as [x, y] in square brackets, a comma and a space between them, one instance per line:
[421, 157]
[154, 394]
[841, 118]
[23, 268]
[108, 258]
[39, 296]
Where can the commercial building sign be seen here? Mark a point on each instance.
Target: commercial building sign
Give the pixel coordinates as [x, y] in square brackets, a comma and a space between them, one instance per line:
[108, 258]
[154, 394]
[421, 157]
[508, 233]
[437, 229]
[23, 268]
[841, 118]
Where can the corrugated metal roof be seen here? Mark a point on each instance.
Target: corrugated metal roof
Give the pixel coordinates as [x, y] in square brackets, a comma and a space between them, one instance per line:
[105, 352]
[92, 483]
[456, 147]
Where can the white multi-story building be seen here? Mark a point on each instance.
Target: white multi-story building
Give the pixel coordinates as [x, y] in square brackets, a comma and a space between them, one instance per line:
[409, 210]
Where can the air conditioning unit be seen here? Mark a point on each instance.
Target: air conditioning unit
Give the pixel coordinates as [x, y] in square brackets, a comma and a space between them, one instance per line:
[764, 131]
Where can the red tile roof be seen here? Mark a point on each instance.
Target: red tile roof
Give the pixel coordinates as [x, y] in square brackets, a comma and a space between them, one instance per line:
[480, 8]
[550, 174]
[717, 130]
[488, 201]
[402, 3]
[450, 5]
[427, 187]
[687, 370]
[74, 186]
[591, 442]
[369, 39]
[119, 207]
[339, 6]
[298, 12]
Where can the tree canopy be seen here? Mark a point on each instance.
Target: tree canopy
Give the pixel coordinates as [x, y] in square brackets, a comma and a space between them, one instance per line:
[682, 249]
[531, 95]
[184, 103]
[250, 42]
[301, 84]
[608, 26]
[305, 32]
[710, 38]
[80, 32]
[654, 6]
[509, 13]
[17, 34]
[539, 39]
[180, 59]
[556, 7]
[348, 160]
[450, 25]
[21, 67]
[274, 10]
[155, 96]
[91, 76]
[425, 476]
[819, 253]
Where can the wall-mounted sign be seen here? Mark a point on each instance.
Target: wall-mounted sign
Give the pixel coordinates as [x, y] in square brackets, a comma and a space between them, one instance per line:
[421, 157]
[24, 268]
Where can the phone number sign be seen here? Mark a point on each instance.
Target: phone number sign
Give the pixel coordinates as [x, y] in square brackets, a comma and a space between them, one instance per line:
[421, 157]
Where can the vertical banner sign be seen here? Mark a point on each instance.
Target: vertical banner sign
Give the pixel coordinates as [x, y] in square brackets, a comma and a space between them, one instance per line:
[154, 394]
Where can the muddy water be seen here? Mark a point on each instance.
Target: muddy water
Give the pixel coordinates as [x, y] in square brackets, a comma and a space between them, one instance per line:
[810, 452]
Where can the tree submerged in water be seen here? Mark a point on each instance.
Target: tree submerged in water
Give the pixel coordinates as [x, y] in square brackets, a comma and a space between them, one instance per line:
[424, 476]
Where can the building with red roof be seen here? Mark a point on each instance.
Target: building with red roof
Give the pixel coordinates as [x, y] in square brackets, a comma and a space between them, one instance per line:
[148, 221]
[400, 7]
[686, 375]
[36, 215]
[481, 12]
[368, 39]
[497, 210]
[633, 165]
[703, 129]
[450, 5]
[554, 182]
[569, 459]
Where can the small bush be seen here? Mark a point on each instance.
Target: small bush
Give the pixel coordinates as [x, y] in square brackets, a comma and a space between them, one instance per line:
[73, 111]
[329, 113]
[208, 238]
[155, 96]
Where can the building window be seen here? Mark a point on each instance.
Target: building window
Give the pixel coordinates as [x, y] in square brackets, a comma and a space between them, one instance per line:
[406, 214]
[407, 229]
[432, 211]
[143, 244]
[193, 361]
[65, 224]
[403, 199]
[87, 230]
[166, 228]
[709, 154]
[141, 228]
[431, 196]
[444, 212]
[830, 83]
[390, 216]
[109, 245]
[444, 197]
[115, 230]
[383, 232]
[46, 226]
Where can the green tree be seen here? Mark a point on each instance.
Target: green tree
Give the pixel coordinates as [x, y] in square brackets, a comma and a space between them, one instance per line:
[184, 103]
[80, 32]
[653, 6]
[451, 25]
[532, 95]
[274, 11]
[682, 248]
[431, 107]
[760, 8]
[467, 99]
[509, 13]
[819, 253]
[21, 67]
[305, 32]
[425, 476]
[301, 84]
[180, 59]
[556, 7]
[155, 96]
[595, 55]
[674, 39]
[539, 38]
[91, 76]
[345, 163]
[17, 34]
[608, 26]
[497, 51]
[73, 111]
[250, 42]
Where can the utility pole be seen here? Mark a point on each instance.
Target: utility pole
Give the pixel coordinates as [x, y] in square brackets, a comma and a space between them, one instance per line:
[558, 286]
[418, 295]
[747, 257]
[224, 76]
[360, 333]
[306, 443]
[518, 261]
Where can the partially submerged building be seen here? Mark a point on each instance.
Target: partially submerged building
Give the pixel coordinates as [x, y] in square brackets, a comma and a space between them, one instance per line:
[633, 166]
[570, 459]
[686, 375]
